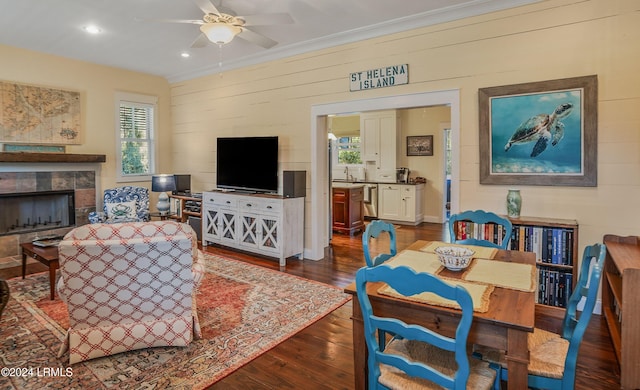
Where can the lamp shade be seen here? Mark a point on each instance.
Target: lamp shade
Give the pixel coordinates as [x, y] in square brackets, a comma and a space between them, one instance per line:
[220, 33]
[162, 183]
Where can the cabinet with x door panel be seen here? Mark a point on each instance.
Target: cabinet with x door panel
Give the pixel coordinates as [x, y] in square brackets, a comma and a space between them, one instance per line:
[220, 218]
[271, 225]
[260, 225]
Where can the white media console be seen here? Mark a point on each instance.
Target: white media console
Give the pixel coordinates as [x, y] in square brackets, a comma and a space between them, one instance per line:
[271, 225]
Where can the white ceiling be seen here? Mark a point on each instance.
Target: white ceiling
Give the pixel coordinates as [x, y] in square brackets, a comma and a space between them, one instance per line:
[126, 41]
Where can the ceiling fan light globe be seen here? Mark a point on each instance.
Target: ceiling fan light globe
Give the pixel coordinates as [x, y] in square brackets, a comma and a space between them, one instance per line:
[220, 33]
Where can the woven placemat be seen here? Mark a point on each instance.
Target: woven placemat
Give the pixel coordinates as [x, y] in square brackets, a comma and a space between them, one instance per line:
[514, 276]
[416, 260]
[480, 294]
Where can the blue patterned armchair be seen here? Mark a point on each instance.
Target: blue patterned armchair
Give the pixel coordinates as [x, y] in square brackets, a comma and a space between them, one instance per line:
[123, 204]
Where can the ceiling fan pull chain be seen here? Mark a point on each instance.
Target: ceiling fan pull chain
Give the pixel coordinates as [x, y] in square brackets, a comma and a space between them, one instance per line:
[220, 55]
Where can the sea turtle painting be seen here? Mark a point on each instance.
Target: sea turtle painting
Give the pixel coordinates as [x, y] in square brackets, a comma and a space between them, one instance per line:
[541, 128]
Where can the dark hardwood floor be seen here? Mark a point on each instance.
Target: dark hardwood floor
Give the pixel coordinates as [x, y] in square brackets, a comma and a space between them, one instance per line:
[321, 356]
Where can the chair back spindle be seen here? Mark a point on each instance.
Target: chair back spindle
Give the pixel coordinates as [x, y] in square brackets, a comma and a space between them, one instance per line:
[374, 230]
[481, 217]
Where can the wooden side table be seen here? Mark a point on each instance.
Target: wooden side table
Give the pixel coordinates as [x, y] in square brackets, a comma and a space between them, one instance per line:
[47, 256]
[163, 217]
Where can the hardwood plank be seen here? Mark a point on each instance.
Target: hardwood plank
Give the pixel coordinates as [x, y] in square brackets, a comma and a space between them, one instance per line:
[597, 365]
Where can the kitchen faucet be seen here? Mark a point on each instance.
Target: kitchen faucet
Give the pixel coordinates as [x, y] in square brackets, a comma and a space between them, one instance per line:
[347, 175]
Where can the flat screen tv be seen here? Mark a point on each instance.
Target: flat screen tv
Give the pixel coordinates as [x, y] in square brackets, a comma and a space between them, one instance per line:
[247, 164]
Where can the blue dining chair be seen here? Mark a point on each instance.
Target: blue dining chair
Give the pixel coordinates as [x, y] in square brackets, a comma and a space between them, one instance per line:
[374, 229]
[480, 217]
[553, 357]
[417, 356]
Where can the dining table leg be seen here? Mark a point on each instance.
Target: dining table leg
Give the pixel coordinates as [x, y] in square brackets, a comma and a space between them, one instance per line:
[517, 359]
[359, 348]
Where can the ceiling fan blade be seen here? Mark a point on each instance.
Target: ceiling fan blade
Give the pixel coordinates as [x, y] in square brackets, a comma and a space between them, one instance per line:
[258, 39]
[267, 19]
[200, 41]
[207, 7]
[190, 21]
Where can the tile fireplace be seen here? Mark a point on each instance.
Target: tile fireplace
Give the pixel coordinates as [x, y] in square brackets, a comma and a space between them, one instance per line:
[36, 211]
[37, 200]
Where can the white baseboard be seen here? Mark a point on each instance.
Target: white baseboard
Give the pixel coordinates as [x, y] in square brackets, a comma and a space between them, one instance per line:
[431, 219]
[597, 309]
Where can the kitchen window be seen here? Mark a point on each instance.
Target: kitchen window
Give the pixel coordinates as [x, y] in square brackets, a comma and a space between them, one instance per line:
[348, 150]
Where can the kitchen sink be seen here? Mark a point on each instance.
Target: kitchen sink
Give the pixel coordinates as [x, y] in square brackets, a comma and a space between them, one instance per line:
[345, 184]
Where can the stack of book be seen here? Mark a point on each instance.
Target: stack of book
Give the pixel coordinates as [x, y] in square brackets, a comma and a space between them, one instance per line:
[553, 247]
[47, 241]
[554, 287]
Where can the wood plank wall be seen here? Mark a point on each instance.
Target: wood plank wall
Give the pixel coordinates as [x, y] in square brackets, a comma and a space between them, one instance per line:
[544, 41]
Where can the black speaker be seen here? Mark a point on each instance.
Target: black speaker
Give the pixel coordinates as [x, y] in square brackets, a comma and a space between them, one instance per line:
[294, 184]
[196, 224]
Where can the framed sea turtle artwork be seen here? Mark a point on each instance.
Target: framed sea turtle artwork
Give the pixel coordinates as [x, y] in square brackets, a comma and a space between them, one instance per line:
[542, 133]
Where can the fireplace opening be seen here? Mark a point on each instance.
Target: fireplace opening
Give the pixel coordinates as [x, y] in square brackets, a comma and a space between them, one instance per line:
[36, 211]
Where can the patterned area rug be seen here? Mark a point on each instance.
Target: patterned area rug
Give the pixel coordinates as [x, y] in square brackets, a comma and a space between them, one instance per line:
[244, 311]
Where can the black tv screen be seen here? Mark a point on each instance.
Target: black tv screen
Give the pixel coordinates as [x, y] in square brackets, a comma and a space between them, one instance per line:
[248, 164]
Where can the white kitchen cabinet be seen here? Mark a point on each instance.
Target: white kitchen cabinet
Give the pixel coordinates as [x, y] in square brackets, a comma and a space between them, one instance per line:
[379, 147]
[400, 202]
[267, 224]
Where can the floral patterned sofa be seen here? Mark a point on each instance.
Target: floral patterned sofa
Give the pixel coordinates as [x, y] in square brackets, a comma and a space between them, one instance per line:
[123, 204]
[129, 286]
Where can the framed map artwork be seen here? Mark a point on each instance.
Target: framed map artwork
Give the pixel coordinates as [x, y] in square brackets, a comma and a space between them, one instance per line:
[39, 115]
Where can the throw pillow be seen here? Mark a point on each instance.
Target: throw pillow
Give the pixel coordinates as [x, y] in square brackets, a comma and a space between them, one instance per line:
[122, 210]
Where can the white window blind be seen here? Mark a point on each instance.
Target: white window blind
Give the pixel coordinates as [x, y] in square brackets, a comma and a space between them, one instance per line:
[135, 130]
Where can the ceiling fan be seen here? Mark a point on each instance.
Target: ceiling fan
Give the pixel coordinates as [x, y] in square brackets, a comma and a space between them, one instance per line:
[220, 27]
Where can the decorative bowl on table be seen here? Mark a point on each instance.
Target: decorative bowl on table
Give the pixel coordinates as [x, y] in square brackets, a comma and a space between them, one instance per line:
[454, 258]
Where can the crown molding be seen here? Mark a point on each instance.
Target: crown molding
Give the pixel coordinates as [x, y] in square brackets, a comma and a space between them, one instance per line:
[424, 19]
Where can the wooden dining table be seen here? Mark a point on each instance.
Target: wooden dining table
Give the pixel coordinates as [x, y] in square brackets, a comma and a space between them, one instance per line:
[505, 325]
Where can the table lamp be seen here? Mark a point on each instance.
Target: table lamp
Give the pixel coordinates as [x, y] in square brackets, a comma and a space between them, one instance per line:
[162, 184]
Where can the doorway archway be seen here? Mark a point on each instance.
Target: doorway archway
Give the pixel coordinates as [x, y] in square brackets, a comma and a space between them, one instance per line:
[319, 226]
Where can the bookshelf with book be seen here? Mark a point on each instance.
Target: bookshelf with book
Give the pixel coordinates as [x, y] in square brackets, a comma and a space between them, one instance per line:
[620, 301]
[185, 206]
[555, 244]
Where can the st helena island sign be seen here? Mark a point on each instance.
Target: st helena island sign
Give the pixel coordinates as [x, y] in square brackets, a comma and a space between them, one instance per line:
[380, 77]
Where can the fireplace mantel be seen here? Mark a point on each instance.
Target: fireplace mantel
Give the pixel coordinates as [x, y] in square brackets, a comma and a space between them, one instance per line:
[26, 157]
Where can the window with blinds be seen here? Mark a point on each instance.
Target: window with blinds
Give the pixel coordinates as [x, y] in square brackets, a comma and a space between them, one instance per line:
[135, 130]
[348, 150]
